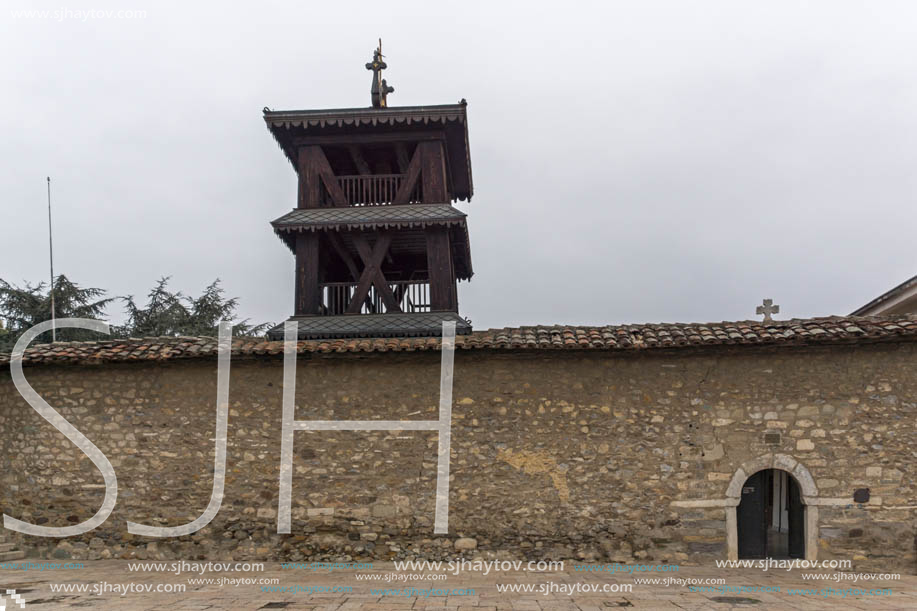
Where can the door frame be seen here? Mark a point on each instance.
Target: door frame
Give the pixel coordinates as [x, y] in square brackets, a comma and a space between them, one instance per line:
[808, 493]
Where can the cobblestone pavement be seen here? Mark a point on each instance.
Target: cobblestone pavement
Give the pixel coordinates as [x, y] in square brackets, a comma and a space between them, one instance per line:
[34, 586]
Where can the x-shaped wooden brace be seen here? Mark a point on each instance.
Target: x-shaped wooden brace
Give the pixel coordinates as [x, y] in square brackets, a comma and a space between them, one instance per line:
[372, 274]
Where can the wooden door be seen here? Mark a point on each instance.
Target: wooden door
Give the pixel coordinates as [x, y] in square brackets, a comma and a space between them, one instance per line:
[751, 522]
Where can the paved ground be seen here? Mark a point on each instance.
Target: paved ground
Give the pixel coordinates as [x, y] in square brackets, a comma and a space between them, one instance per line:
[35, 588]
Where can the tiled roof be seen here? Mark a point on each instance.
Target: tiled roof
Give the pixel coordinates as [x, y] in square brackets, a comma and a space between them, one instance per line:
[619, 338]
[394, 324]
[391, 115]
[369, 217]
[410, 216]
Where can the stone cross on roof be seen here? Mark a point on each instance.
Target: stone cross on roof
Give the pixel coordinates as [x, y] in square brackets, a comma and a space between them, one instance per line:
[767, 309]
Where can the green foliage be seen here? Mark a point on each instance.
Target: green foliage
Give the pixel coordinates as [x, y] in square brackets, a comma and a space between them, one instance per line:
[24, 307]
[168, 313]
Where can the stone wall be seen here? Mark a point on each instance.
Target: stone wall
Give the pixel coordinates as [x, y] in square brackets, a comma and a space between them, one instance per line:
[555, 454]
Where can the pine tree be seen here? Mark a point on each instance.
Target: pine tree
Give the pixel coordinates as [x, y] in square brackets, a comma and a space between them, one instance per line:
[24, 307]
[168, 313]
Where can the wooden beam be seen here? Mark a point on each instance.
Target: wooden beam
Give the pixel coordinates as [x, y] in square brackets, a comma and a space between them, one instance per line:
[308, 297]
[331, 182]
[401, 154]
[309, 194]
[378, 253]
[399, 293]
[440, 271]
[433, 170]
[403, 196]
[357, 155]
[338, 246]
[372, 274]
[344, 140]
[314, 170]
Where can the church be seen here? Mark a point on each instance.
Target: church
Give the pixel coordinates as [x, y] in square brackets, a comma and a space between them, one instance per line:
[665, 443]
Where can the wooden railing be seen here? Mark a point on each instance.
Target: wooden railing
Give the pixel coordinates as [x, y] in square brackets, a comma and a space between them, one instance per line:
[412, 296]
[374, 189]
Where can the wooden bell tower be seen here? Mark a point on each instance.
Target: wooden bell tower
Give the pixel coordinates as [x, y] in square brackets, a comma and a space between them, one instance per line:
[379, 247]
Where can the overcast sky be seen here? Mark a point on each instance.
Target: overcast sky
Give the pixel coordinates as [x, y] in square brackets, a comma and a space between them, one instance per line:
[633, 161]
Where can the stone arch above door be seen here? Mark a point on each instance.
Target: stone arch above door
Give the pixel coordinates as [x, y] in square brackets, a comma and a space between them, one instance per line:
[807, 487]
[784, 462]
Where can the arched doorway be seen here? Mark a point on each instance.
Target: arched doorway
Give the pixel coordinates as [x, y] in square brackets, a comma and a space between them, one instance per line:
[770, 517]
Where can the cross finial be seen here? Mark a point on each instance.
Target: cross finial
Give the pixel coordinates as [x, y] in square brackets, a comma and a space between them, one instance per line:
[767, 309]
[380, 89]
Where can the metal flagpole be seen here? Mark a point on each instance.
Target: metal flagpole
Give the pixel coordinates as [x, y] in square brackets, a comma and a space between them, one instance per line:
[51, 250]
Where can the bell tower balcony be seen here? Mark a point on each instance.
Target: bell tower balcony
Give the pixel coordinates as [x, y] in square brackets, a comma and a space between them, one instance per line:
[371, 157]
[375, 189]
